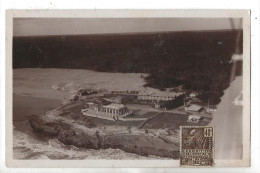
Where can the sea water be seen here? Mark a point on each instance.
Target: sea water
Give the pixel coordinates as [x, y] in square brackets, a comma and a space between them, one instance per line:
[30, 145]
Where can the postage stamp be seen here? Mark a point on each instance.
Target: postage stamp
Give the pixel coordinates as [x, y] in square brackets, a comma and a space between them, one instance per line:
[196, 146]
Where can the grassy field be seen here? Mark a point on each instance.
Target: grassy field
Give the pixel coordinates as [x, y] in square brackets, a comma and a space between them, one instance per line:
[171, 121]
[145, 115]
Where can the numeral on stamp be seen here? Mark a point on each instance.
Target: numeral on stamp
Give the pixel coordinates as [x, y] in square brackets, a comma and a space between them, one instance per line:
[196, 146]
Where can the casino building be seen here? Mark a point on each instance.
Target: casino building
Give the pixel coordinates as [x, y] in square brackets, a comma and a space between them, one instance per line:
[113, 111]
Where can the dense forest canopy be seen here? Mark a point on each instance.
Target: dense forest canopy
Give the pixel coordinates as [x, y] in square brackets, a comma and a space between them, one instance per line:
[199, 61]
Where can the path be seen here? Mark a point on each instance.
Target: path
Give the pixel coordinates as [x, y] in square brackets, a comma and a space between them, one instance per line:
[143, 123]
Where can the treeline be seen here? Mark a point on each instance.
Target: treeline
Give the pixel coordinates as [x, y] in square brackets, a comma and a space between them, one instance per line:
[172, 104]
[198, 60]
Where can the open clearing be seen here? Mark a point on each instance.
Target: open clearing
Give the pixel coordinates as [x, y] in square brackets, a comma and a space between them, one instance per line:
[172, 121]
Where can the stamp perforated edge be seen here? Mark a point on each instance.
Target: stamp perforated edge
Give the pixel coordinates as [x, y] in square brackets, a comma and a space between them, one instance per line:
[213, 146]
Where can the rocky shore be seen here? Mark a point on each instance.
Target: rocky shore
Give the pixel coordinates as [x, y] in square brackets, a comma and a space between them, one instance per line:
[69, 133]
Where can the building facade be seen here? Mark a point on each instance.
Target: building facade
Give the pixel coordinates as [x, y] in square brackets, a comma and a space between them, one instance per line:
[112, 110]
[155, 97]
[115, 109]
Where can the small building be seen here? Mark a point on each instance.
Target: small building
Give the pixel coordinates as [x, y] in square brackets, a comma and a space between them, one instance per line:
[154, 97]
[194, 95]
[211, 109]
[160, 96]
[157, 105]
[194, 118]
[194, 108]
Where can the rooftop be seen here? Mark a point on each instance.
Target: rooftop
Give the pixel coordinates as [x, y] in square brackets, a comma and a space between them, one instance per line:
[194, 93]
[115, 106]
[194, 117]
[194, 108]
[160, 93]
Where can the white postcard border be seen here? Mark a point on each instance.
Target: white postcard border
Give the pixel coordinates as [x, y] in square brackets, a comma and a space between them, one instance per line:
[10, 14]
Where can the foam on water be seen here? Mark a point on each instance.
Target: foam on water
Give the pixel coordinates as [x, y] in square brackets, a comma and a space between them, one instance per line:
[29, 148]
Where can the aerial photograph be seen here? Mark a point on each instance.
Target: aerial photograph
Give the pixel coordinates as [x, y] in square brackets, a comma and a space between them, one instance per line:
[120, 88]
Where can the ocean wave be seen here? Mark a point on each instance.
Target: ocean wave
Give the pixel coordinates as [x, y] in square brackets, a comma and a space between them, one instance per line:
[28, 148]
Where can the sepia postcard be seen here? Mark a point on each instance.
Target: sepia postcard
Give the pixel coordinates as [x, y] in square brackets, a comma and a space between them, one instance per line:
[128, 88]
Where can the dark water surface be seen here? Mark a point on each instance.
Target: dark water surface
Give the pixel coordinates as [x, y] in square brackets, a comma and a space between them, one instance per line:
[24, 106]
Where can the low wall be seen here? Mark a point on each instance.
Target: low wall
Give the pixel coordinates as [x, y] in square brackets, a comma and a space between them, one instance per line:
[111, 118]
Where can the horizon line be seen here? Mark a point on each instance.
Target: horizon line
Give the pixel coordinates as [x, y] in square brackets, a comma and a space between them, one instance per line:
[130, 33]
